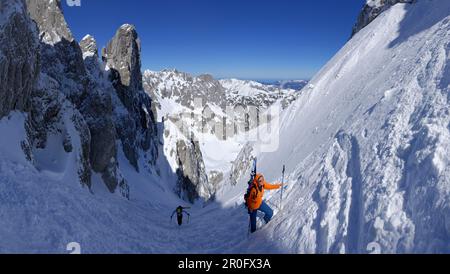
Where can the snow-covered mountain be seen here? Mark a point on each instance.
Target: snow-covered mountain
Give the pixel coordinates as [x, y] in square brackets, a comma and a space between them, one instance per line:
[253, 93]
[203, 114]
[366, 143]
[184, 89]
[205, 101]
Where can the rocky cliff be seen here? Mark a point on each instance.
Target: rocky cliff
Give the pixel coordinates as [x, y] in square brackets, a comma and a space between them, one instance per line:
[136, 126]
[193, 181]
[372, 10]
[69, 96]
[19, 57]
[88, 109]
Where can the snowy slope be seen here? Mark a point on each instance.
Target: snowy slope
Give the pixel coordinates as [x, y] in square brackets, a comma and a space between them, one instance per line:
[366, 144]
[42, 211]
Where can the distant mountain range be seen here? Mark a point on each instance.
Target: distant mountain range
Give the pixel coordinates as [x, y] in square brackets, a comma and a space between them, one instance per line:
[286, 84]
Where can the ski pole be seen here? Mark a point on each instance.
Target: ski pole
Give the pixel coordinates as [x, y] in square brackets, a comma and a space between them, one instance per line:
[282, 186]
[249, 226]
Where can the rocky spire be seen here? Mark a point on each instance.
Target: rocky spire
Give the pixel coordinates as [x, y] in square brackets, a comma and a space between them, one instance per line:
[73, 90]
[98, 113]
[123, 54]
[137, 130]
[192, 179]
[89, 47]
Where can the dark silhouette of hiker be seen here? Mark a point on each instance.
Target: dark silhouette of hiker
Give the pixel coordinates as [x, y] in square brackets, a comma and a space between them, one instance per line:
[179, 211]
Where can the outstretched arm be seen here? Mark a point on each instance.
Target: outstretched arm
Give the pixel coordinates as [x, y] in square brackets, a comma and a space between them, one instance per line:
[270, 186]
[171, 217]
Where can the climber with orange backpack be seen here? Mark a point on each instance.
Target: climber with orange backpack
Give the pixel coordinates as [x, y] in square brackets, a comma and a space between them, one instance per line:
[254, 199]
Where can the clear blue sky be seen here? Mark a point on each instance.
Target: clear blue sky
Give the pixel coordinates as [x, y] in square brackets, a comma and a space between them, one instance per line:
[247, 39]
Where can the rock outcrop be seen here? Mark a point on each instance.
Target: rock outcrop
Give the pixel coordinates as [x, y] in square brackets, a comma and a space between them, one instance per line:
[63, 84]
[50, 19]
[94, 108]
[185, 88]
[59, 81]
[60, 54]
[123, 55]
[104, 110]
[242, 164]
[372, 10]
[193, 181]
[19, 57]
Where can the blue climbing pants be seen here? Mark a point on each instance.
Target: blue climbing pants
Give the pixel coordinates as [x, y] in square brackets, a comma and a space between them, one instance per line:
[267, 217]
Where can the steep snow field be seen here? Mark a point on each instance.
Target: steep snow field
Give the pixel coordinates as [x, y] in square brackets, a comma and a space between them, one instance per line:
[366, 145]
[43, 211]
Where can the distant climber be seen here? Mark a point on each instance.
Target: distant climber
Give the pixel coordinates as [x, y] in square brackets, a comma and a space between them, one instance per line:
[254, 200]
[104, 56]
[179, 211]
